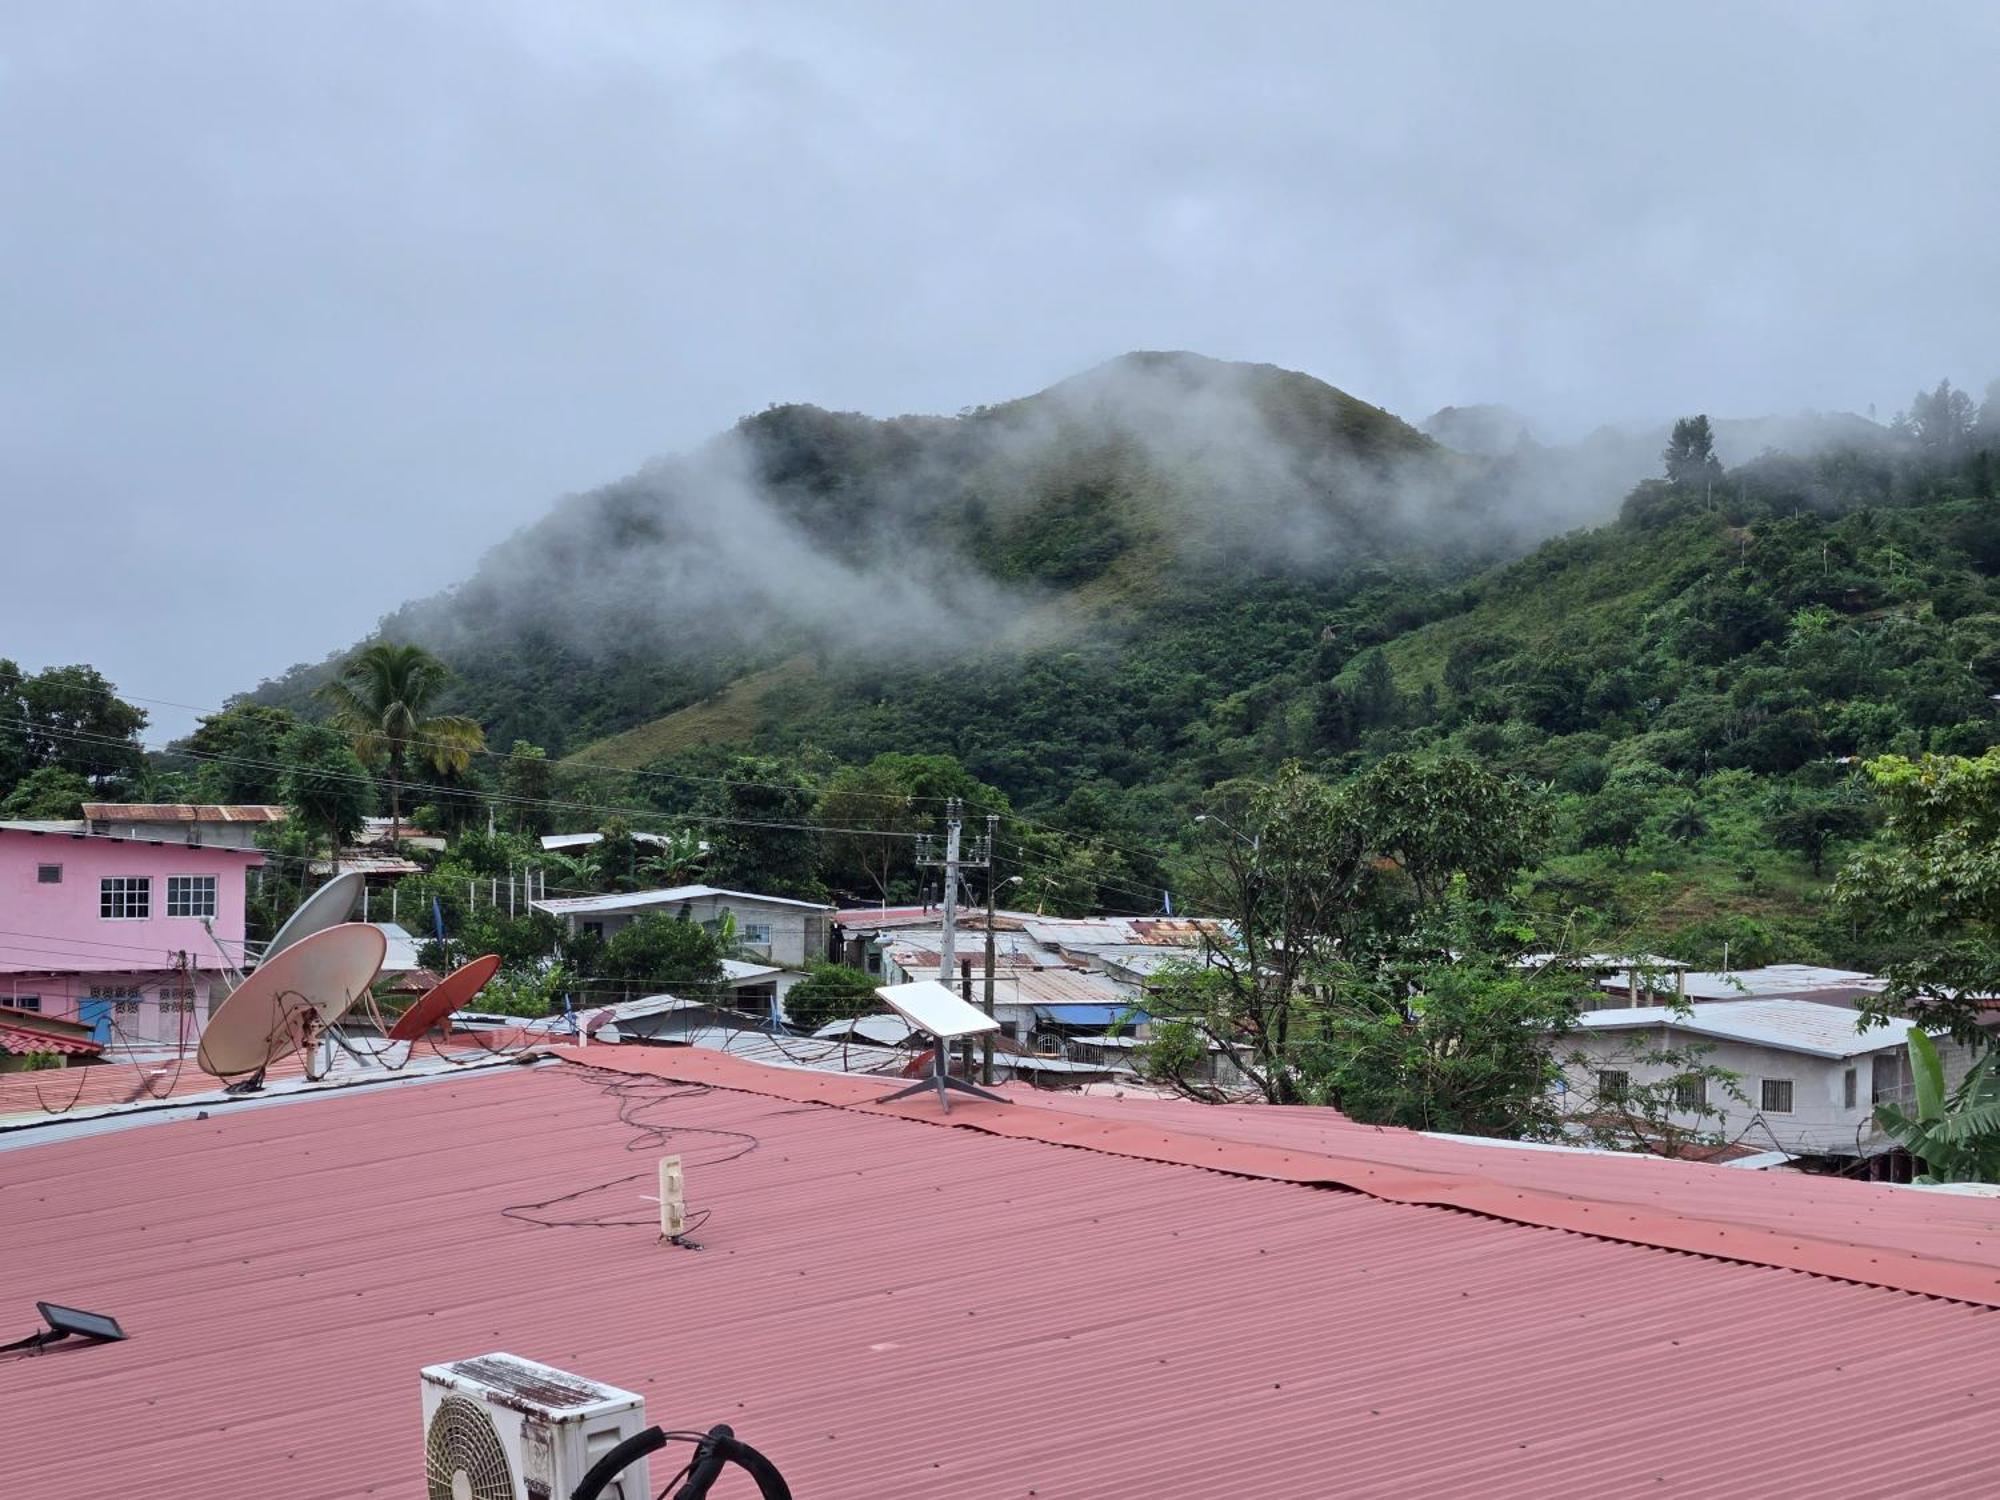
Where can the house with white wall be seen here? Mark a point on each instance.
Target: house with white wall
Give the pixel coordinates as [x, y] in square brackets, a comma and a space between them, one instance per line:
[221, 825]
[1809, 1077]
[774, 929]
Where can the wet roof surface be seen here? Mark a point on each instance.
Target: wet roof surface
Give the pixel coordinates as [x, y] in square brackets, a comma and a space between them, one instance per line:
[894, 1309]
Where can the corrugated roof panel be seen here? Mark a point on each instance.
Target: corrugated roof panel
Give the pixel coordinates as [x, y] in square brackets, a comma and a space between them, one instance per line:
[856, 1312]
[1792, 1025]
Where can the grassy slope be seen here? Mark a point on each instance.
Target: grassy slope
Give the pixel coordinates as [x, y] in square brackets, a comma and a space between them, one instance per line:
[732, 716]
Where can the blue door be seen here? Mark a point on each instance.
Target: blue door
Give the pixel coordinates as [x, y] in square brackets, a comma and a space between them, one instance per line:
[96, 1014]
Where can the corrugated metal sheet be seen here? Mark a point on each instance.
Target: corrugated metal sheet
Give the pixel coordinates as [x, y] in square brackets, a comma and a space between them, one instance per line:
[184, 812]
[1791, 1025]
[117, 1085]
[857, 1312]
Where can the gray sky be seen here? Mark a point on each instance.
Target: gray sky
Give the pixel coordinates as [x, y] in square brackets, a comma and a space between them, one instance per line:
[304, 306]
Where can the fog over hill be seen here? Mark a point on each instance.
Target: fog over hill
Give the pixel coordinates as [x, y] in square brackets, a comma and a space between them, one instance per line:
[916, 538]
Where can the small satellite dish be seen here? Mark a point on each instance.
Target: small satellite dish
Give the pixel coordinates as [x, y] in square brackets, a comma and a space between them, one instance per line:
[447, 995]
[287, 1001]
[329, 906]
[932, 1008]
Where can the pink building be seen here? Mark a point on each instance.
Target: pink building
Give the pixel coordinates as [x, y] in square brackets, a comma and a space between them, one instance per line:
[93, 929]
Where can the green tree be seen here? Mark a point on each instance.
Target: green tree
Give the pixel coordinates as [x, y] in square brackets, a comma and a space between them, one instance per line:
[1941, 420]
[240, 753]
[47, 792]
[382, 698]
[326, 788]
[902, 796]
[615, 857]
[662, 953]
[1341, 906]
[1690, 454]
[1685, 822]
[1448, 819]
[70, 718]
[1810, 821]
[829, 992]
[527, 786]
[765, 837]
[1931, 886]
[1471, 1048]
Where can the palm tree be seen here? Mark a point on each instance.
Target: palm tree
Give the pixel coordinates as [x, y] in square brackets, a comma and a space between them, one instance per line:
[382, 699]
[1685, 823]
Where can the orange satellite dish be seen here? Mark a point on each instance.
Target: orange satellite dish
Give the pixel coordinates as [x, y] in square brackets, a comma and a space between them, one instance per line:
[446, 996]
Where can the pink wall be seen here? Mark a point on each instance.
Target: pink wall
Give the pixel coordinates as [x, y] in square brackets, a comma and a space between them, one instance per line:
[58, 928]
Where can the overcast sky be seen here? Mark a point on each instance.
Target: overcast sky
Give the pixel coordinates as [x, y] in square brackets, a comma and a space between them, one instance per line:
[304, 306]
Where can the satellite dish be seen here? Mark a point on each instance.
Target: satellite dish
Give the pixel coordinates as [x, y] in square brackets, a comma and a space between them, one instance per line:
[329, 906]
[289, 1000]
[447, 995]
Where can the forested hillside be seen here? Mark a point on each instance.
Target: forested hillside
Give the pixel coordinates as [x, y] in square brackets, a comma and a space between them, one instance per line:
[1106, 599]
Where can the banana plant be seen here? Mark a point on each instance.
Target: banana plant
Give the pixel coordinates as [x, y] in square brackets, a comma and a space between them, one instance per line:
[1956, 1135]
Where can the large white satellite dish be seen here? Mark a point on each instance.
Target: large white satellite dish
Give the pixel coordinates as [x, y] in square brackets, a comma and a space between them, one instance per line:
[932, 1008]
[329, 906]
[291, 999]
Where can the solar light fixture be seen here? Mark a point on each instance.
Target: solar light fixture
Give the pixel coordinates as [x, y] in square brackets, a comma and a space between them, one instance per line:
[64, 1322]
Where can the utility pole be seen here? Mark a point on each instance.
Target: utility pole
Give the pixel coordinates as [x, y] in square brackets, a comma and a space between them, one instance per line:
[980, 857]
[986, 1042]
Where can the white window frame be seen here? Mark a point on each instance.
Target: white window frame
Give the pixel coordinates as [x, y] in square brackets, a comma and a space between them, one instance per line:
[748, 934]
[1850, 1088]
[1613, 1093]
[1691, 1086]
[118, 895]
[178, 902]
[1791, 1095]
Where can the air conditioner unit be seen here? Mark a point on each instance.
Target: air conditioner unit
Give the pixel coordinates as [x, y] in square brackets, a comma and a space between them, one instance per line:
[500, 1427]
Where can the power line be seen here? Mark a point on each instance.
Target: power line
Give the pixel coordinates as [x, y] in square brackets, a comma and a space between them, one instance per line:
[898, 799]
[1022, 857]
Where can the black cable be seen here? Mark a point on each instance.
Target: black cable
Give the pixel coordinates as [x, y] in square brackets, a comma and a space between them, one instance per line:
[636, 1096]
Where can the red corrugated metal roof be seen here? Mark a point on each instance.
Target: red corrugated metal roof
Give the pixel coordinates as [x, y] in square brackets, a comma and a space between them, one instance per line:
[38, 1098]
[894, 1310]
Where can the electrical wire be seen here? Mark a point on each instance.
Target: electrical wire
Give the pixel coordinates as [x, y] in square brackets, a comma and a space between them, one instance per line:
[636, 1097]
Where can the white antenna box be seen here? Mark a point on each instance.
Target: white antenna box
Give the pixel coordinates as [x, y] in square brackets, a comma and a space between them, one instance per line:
[500, 1427]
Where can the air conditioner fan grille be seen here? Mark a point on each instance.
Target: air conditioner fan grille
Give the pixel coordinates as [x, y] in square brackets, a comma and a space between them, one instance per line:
[463, 1456]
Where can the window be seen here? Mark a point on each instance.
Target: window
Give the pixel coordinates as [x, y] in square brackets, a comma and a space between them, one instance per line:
[1889, 1076]
[176, 998]
[190, 895]
[1777, 1096]
[23, 1002]
[593, 929]
[1691, 1093]
[1848, 1088]
[48, 874]
[1613, 1086]
[755, 934]
[125, 897]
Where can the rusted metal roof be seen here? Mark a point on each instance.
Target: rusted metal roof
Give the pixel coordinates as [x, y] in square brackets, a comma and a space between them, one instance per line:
[855, 1310]
[184, 812]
